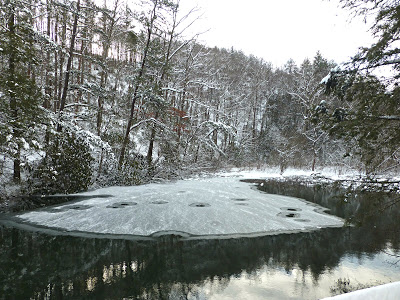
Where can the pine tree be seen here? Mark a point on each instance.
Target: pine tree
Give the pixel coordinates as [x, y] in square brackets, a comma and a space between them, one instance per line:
[369, 111]
[19, 94]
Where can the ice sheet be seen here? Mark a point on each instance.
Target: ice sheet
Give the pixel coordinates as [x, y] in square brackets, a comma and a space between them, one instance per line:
[383, 292]
[212, 207]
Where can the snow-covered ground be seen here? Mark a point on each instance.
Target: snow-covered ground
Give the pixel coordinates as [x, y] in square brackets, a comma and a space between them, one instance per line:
[345, 177]
[333, 173]
[203, 207]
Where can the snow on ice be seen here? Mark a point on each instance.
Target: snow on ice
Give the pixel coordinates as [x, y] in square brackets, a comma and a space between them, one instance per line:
[382, 292]
[198, 208]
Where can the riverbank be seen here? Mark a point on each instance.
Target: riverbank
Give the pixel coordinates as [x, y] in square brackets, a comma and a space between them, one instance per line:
[352, 179]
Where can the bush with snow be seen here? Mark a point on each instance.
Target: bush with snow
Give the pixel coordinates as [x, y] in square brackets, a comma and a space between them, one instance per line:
[66, 167]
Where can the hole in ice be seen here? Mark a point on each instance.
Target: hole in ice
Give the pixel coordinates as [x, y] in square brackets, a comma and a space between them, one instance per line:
[288, 215]
[290, 209]
[292, 215]
[181, 192]
[159, 202]
[240, 199]
[121, 204]
[199, 204]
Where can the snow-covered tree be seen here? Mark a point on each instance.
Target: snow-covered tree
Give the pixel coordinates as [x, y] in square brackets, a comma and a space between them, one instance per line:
[368, 87]
[20, 96]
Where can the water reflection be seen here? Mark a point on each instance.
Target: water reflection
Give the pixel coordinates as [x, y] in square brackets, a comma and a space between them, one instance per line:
[291, 266]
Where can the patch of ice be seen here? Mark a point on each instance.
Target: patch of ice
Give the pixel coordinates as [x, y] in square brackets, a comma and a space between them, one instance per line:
[205, 203]
[382, 292]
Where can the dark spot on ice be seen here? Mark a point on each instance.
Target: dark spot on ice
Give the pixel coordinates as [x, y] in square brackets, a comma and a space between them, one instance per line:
[78, 207]
[121, 204]
[181, 192]
[290, 209]
[242, 204]
[159, 202]
[167, 234]
[302, 220]
[288, 215]
[199, 204]
[240, 199]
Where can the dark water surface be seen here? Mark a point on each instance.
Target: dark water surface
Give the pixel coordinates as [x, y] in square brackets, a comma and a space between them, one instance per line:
[34, 265]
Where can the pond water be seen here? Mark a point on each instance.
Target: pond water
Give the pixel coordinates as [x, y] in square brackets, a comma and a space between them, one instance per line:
[308, 265]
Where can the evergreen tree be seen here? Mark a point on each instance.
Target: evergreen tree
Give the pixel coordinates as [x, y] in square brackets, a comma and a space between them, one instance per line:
[20, 97]
[370, 107]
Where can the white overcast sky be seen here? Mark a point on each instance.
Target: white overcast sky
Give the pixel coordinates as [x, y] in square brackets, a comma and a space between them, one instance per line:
[277, 30]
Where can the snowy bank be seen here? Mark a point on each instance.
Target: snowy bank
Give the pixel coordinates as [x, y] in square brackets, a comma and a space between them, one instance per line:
[206, 208]
[388, 291]
[349, 178]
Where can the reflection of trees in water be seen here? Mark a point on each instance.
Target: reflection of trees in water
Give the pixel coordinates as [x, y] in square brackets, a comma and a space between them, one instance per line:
[74, 267]
[359, 206]
[376, 215]
[35, 264]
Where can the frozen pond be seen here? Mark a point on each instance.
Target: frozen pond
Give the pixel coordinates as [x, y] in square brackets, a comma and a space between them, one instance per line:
[211, 208]
[309, 264]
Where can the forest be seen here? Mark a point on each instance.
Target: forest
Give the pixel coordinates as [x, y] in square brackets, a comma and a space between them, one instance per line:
[111, 93]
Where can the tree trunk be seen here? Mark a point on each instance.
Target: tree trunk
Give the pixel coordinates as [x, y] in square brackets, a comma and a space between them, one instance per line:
[314, 158]
[55, 66]
[138, 80]
[103, 77]
[48, 87]
[151, 144]
[162, 78]
[61, 60]
[13, 101]
[69, 62]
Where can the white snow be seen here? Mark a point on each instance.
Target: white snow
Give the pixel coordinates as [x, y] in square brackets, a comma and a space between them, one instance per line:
[326, 79]
[342, 175]
[328, 173]
[382, 292]
[211, 207]
[25, 144]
